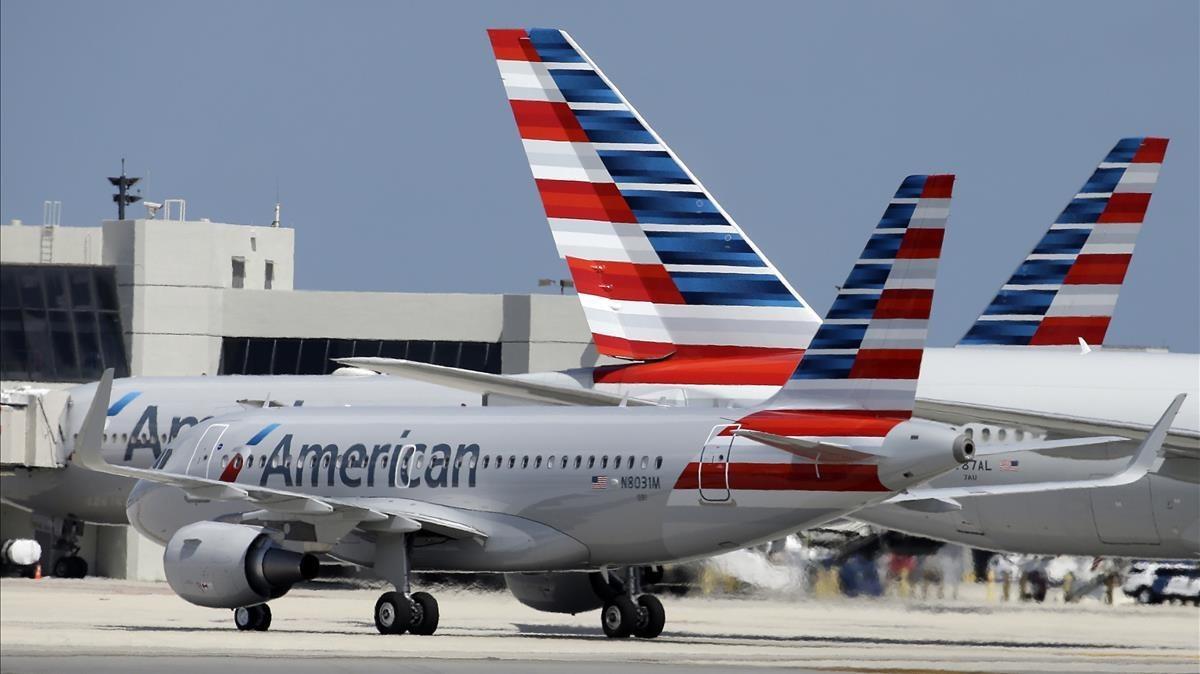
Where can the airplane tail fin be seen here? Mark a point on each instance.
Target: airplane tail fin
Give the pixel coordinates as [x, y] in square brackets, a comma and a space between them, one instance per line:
[1066, 289]
[659, 266]
[867, 353]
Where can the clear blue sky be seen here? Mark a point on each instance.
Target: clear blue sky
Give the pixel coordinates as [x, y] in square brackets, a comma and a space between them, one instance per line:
[386, 128]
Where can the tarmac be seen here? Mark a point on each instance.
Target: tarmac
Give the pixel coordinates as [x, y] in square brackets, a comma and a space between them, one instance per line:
[99, 625]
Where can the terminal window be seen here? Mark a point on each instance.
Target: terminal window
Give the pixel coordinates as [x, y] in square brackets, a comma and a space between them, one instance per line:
[269, 355]
[60, 323]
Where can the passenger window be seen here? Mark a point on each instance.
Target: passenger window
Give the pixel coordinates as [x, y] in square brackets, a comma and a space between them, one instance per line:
[604, 461]
[564, 462]
[657, 462]
[537, 461]
[550, 461]
[630, 462]
[512, 461]
[420, 461]
[524, 462]
[383, 463]
[591, 462]
[471, 461]
[486, 460]
[578, 461]
[645, 462]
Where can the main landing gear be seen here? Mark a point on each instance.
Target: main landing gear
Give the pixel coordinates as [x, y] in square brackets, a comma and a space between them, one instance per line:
[401, 611]
[629, 611]
[253, 618]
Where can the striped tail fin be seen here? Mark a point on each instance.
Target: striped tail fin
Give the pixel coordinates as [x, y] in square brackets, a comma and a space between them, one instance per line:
[1067, 288]
[658, 264]
[867, 353]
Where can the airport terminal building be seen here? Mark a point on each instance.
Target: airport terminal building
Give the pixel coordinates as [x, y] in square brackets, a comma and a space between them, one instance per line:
[159, 297]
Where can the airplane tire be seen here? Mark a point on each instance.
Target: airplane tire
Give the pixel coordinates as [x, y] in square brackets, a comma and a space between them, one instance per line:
[393, 613]
[73, 566]
[256, 618]
[264, 618]
[428, 610]
[653, 617]
[618, 617]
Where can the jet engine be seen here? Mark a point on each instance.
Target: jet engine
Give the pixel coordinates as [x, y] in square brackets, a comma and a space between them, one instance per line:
[920, 450]
[563, 592]
[222, 565]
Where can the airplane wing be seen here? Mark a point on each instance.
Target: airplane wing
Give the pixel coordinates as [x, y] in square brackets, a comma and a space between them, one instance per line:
[485, 382]
[1147, 458]
[275, 503]
[1178, 443]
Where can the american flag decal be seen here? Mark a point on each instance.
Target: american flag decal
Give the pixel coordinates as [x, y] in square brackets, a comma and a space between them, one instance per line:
[599, 482]
[1009, 464]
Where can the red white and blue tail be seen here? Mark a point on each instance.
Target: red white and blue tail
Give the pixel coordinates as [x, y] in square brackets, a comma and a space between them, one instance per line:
[867, 353]
[658, 264]
[1067, 288]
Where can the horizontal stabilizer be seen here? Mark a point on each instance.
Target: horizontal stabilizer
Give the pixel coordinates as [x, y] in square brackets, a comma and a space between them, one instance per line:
[990, 449]
[486, 382]
[1148, 457]
[820, 452]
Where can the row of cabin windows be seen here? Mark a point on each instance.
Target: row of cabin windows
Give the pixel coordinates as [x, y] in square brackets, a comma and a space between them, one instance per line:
[562, 463]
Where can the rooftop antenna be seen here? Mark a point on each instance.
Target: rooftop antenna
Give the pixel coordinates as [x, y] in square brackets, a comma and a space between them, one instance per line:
[123, 197]
[275, 222]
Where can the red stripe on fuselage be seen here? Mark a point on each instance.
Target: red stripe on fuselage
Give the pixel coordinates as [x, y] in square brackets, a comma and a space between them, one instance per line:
[1098, 269]
[512, 44]
[782, 477]
[717, 365]
[230, 474]
[545, 120]
[624, 281]
[824, 423]
[1059, 330]
[584, 201]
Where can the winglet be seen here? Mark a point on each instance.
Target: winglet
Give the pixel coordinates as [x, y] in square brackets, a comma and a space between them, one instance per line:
[89, 446]
[1084, 347]
[1151, 452]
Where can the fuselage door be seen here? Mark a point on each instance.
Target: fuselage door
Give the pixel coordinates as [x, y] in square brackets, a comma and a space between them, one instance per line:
[206, 450]
[713, 477]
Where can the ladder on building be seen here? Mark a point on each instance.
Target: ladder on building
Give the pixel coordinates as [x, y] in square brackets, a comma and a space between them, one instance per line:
[51, 218]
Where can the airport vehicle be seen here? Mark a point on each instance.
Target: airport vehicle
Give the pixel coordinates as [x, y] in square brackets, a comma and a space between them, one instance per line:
[1151, 582]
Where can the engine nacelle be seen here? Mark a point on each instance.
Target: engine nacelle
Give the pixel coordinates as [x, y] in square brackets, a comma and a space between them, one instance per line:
[920, 450]
[563, 592]
[223, 565]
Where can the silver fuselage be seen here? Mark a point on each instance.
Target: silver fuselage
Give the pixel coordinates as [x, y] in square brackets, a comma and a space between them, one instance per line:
[554, 488]
[1112, 386]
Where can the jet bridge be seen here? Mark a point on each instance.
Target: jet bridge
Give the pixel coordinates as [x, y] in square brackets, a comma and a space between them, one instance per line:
[30, 434]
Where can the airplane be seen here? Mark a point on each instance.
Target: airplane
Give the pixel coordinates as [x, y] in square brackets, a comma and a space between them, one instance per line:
[243, 502]
[712, 362]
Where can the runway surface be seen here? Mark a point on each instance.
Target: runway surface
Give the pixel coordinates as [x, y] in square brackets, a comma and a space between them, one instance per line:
[100, 626]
